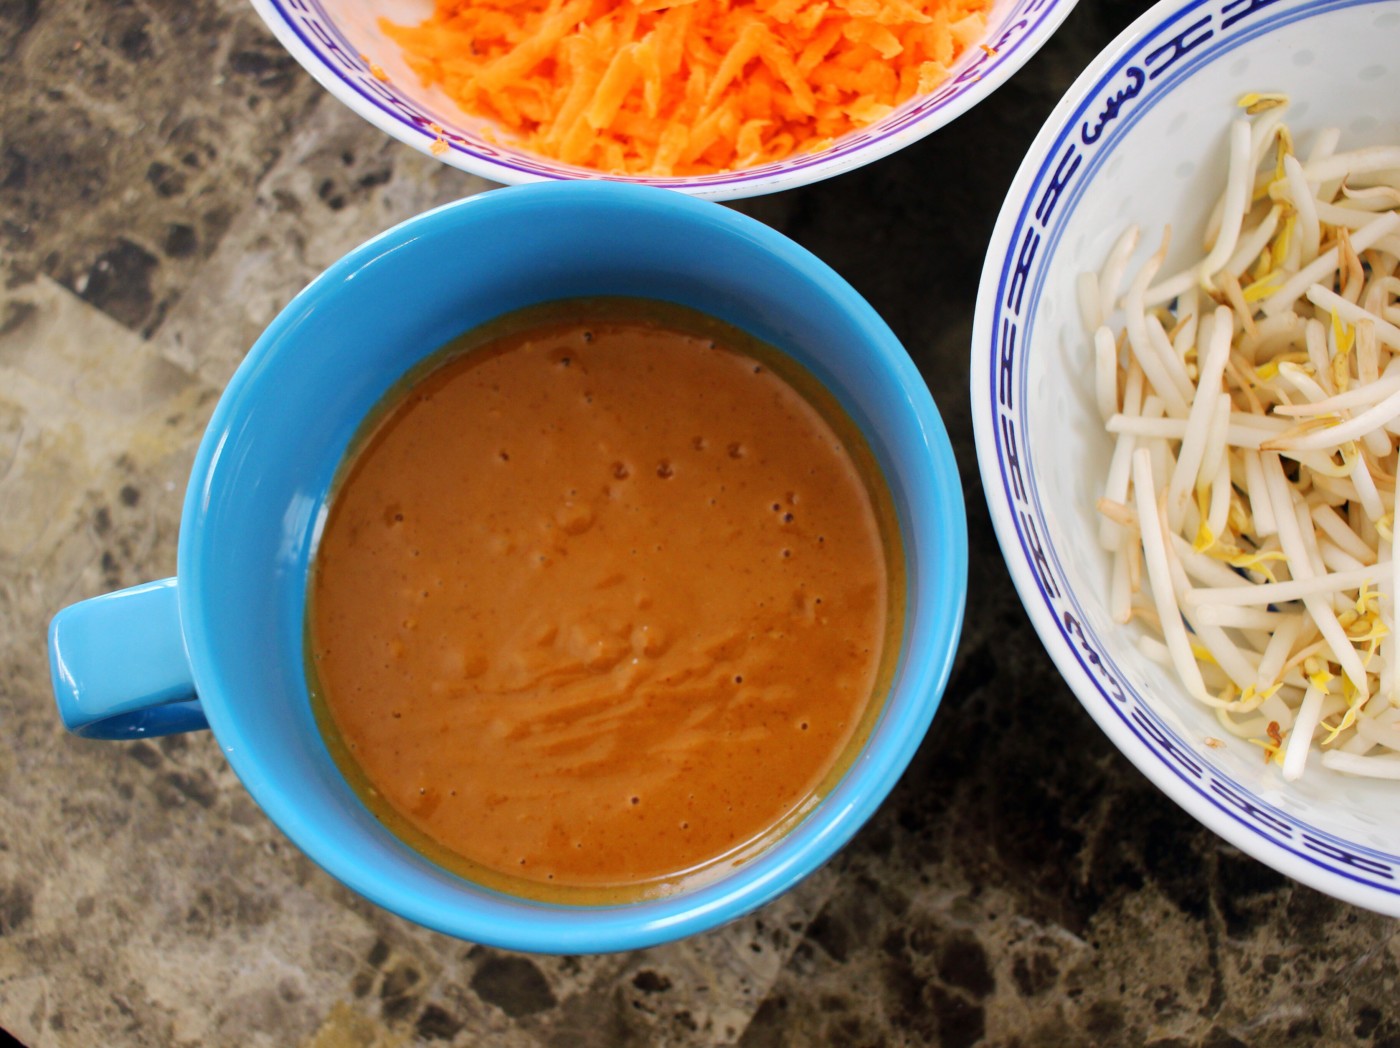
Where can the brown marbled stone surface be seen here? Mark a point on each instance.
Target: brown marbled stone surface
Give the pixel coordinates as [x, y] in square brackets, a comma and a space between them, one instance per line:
[168, 179]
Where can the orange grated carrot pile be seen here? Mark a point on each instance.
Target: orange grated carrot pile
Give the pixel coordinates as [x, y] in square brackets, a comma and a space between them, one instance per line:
[685, 87]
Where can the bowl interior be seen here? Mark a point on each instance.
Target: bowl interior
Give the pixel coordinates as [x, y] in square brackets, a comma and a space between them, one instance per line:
[337, 40]
[1141, 139]
[281, 429]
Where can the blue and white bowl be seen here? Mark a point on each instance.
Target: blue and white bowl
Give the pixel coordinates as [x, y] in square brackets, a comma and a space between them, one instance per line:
[335, 41]
[1140, 138]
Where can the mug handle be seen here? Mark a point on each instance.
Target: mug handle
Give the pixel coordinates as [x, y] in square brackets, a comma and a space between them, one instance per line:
[119, 666]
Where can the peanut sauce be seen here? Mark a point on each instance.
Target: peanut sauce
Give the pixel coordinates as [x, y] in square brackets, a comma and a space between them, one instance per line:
[602, 603]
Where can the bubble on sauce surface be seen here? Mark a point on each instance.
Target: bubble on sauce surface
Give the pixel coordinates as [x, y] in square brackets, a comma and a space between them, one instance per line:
[574, 518]
[459, 664]
[649, 639]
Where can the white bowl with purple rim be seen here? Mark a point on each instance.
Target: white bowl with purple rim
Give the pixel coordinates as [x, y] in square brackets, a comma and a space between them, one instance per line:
[1140, 139]
[336, 40]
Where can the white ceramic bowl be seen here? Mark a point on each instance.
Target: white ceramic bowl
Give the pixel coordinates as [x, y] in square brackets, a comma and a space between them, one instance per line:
[1140, 138]
[331, 37]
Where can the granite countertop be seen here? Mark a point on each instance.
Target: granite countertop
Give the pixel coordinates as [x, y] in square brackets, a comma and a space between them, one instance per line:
[168, 179]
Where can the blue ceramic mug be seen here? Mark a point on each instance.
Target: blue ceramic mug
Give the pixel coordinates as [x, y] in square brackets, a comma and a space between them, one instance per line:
[221, 645]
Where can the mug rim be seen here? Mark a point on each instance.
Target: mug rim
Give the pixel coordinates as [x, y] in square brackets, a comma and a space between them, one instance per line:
[926, 656]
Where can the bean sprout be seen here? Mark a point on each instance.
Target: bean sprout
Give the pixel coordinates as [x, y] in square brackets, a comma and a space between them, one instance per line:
[1254, 401]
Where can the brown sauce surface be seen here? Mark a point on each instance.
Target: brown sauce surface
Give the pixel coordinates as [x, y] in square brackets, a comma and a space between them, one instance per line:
[598, 605]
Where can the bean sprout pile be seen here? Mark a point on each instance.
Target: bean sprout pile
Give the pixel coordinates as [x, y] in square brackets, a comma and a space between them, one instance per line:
[1254, 401]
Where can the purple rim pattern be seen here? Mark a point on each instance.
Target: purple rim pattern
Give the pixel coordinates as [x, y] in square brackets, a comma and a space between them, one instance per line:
[1167, 53]
[318, 32]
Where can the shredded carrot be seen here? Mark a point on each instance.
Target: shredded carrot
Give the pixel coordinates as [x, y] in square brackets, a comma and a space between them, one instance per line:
[685, 87]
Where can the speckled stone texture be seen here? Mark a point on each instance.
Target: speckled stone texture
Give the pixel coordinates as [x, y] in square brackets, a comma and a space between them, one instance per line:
[168, 179]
